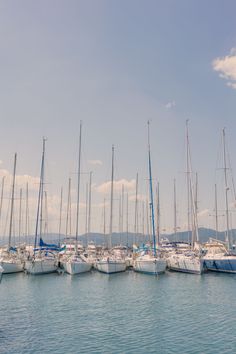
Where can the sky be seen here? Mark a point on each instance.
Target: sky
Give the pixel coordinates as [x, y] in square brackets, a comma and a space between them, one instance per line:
[114, 65]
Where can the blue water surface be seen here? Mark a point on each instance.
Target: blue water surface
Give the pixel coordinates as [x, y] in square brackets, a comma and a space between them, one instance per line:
[120, 313]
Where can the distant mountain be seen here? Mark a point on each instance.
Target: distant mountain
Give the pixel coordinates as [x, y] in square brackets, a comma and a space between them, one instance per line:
[101, 239]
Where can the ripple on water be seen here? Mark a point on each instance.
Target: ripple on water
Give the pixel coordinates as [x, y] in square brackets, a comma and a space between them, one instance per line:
[121, 313]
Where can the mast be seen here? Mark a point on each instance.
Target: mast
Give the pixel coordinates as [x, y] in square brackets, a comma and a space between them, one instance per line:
[196, 209]
[151, 192]
[86, 211]
[188, 177]
[120, 219]
[90, 202]
[20, 214]
[158, 212]
[226, 191]
[175, 212]
[45, 232]
[68, 210]
[122, 210]
[127, 218]
[192, 199]
[111, 211]
[12, 202]
[59, 231]
[78, 192]
[216, 212]
[27, 212]
[40, 197]
[136, 212]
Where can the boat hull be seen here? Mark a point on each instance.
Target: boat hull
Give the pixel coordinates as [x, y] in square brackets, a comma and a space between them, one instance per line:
[40, 266]
[186, 264]
[12, 267]
[224, 265]
[155, 267]
[76, 267]
[110, 267]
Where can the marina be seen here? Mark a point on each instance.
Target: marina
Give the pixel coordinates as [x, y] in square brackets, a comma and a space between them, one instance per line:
[117, 177]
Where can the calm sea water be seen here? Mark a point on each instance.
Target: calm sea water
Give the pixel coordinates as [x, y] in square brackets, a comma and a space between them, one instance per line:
[120, 313]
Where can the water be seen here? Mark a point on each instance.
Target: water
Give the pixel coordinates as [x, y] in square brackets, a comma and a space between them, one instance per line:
[120, 313]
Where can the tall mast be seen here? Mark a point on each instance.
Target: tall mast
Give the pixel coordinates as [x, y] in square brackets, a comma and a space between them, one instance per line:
[59, 231]
[42, 191]
[40, 198]
[111, 211]
[78, 191]
[46, 213]
[20, 214]
[122, 210]
[191, 197]
[188, 177]
[27, 212]
[12, 202]
[120, 219]
[195, 209]
[148, 220]
[175, 212]
[90, 202]
[151, 192]
[86, 211]
[158, 212]
[216, 212]
[68, 210]
[136, 212]
[127, 218]
[226, 191]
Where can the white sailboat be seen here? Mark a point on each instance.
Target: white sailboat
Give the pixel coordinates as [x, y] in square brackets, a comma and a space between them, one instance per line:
[42, 261]
[76, 263]
[10, 260]
[189, 261]
[110, 263]
[150, 261]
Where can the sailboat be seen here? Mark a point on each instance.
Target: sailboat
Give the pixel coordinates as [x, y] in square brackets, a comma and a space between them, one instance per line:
[150, 261]
[190, 260]
[43, 260]
[76, 263]
[10, 259]
[109, 262]
[219, 257]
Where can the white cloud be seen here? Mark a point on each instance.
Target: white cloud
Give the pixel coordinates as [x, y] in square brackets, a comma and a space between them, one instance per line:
[21, 180]
[140, 197]
[170, 105]
[226, 67]
[106, 186]
[95, 162]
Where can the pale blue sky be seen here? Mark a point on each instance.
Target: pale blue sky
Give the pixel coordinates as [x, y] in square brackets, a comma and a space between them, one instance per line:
[116, 64]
